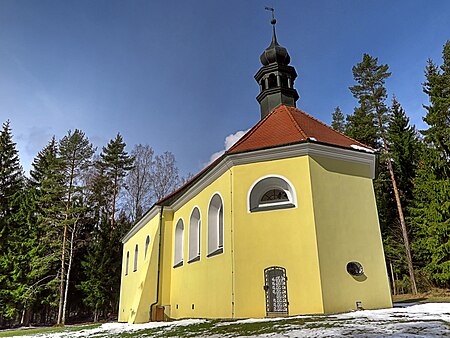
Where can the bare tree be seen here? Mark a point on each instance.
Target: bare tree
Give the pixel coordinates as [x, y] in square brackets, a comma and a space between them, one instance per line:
[165, 178]
[138, 187]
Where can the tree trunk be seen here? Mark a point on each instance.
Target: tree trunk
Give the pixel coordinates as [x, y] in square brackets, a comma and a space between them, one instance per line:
[399, 207]
[72, 238]
[113, 203]
[394, 287]
[63, 252]
[402, 223]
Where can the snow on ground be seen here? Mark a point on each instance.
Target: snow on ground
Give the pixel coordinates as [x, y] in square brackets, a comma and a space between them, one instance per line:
[405, 320]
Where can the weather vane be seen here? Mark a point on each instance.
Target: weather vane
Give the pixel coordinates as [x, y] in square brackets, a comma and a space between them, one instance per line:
[274, 21]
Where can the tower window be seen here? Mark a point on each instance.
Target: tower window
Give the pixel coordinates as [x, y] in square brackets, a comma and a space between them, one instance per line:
[272, 81]
[284, 81]
[127, 263]
[270, 193]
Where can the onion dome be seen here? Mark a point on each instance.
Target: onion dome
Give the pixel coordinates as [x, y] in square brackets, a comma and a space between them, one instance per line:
[275, 53]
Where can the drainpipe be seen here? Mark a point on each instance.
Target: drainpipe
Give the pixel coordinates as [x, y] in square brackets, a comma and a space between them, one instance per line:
[159, 261]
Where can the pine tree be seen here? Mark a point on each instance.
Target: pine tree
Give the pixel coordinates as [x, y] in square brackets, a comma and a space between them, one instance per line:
[11, 187]
[361, 127]
[431, 209]
[11, 174]
[47, 182]
[403, 147]
[75, 152]
[338, 122]
[115, 162]
[371, 94]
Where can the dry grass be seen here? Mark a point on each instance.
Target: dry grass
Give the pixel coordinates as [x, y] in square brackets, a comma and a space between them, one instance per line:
[432, 296]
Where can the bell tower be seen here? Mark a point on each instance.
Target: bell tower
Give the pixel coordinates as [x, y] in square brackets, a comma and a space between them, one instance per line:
[275, 77]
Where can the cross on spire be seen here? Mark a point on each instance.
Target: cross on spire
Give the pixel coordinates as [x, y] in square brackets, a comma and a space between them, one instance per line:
[273, 22]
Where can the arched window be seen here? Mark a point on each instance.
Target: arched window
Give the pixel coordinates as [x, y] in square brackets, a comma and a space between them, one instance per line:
[179, 244]
[147, 243]
[215, 226]
[194, 235]
[270, 193]
[272, 81]
[284, 81]
[127, 263]
[136, 250]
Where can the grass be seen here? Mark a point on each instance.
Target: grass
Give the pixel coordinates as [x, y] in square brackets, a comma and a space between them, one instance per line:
[234, 328]
[52, 329]
[432, 296]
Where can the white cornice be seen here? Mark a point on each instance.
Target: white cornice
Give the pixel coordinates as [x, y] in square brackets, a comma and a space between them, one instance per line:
[270, 154]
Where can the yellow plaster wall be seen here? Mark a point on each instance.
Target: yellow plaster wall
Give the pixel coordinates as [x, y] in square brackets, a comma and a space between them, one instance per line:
[206, 284]
[283, 237]
[348, 230]
[138, 289]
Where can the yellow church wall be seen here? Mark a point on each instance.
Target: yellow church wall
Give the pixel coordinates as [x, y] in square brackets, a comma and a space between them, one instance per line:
[284, 237]
[203, 288]
[166, 262]
[348, 230]
[138, 288]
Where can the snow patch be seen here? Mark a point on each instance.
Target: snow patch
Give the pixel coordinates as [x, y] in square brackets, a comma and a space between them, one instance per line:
[357, 147]
[403, 320]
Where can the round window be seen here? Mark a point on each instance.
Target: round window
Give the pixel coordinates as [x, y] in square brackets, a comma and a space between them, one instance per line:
[355, 269]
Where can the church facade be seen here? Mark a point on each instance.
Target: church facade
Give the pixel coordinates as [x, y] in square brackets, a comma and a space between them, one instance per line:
[284, 223]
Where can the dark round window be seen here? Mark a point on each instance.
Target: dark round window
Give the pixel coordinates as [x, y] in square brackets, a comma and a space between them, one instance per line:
[355, 269]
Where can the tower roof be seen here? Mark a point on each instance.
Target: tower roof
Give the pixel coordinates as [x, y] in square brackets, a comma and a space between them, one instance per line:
[275, 53]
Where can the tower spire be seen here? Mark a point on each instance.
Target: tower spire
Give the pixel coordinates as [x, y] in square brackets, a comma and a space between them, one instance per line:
[275, 77]
[273, 22]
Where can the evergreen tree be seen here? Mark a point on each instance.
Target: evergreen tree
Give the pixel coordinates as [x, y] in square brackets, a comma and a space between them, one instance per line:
[361, 127]
[338, 122]
[431, 209]
[11, 187]
[438, 112]
[404, 150]
[47, 182]
[403, 147]
[75, 152]
[11, 175]
[371, 93]
[115, 162]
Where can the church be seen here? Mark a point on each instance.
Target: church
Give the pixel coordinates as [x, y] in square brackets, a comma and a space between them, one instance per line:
[283, 223]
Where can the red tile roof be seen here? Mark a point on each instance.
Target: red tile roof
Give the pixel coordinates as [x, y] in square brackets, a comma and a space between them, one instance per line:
[284, 125]
[287, 125]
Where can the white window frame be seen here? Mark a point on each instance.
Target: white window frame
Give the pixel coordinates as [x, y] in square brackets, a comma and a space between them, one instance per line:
[266, 183]
[215, 225]
[136, 255]
[127, 263]
[195, 222]
[178, 247]
[147, 244]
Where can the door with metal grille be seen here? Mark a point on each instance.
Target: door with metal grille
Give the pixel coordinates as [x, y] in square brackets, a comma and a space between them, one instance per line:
[276, 291]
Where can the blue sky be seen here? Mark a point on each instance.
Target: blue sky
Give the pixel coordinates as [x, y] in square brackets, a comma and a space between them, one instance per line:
[178, 75]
